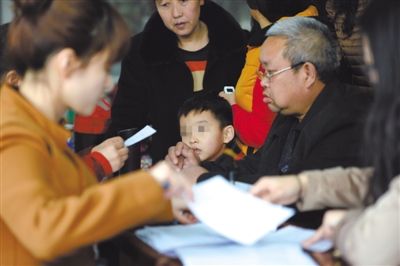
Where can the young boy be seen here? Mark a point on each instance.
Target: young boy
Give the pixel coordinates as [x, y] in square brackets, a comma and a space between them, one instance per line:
[206, 125]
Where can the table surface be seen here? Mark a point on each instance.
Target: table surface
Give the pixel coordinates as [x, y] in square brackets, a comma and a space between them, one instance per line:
[135, 252]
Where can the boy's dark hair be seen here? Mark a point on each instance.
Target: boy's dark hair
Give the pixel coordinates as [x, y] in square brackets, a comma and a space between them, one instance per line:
[218, 106]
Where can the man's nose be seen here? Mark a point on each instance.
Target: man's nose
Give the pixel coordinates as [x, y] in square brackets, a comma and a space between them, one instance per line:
[264, 83]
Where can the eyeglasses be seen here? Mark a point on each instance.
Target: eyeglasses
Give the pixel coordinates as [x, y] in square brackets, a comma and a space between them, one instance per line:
[261, 75]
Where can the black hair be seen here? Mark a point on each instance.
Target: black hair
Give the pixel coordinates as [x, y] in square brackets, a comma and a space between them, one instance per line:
[380, 23]
[200, 102]
[4, 68]
[273, 10]
[153, 4]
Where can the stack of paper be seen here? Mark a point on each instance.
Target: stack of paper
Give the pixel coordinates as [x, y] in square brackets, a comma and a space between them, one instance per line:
[198, 245]
[235, 214]
[235, 228]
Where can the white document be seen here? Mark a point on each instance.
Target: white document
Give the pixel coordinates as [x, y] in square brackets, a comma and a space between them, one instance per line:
[166, 239]
[235, 214]
[282, 247]
[145, 132]
[242, 186]
[234, 254]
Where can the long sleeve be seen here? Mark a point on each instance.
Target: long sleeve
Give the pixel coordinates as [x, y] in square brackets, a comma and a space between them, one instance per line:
[372, 236]
[96, 162]
[335, 187]
[53, 208]
[253, 127]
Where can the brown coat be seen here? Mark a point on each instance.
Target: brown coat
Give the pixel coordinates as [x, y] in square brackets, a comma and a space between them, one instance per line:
[350, 47]
[51, 204]
[365, 235]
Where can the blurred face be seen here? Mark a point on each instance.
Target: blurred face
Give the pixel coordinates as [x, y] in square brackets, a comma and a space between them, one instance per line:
[87, 85]
[283, 93]
[180, 16]
[202, 133]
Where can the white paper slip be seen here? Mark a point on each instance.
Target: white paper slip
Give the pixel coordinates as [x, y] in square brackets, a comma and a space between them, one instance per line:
[235, 214]
[145, 132]
[165, 239]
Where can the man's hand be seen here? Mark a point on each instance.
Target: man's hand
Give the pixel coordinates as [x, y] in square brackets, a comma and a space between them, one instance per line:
[114, 150]
[181, 156]
[329, 223]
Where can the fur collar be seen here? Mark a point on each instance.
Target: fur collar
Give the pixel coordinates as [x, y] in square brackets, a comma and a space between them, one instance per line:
[158, 44]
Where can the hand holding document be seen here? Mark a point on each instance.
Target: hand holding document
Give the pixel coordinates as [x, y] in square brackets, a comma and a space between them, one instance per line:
[145, 132]
[235, 214]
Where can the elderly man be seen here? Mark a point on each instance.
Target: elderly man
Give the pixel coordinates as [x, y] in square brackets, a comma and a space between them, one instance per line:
[319, 122]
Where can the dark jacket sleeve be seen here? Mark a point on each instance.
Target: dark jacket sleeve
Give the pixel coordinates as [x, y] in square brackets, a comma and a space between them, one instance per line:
[245, 169]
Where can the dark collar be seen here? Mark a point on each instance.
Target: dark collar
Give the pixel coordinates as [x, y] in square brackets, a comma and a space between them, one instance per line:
[159, 44]
[259, 37]
[332, 91]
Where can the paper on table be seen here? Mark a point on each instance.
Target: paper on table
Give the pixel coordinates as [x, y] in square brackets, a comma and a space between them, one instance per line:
[145, 132]
[272, 249]
[235, 214]
[234, 254]
[165, 239]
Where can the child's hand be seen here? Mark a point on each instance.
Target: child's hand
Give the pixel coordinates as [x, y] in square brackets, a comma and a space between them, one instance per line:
[181, 155]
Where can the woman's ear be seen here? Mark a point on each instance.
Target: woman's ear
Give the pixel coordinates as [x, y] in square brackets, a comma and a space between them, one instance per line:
[67, 62]
[229, 134]
[12, 79]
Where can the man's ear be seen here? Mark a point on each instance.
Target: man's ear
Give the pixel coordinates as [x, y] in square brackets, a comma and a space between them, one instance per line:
[229, 133]
[310, 74]
[13, 79]
[67, 62]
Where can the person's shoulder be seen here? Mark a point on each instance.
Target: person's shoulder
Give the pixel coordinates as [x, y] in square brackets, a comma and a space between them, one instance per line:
[225, 33]
[357, 96]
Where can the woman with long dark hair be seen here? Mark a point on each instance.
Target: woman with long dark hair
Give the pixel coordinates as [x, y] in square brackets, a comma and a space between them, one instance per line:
[368, 232]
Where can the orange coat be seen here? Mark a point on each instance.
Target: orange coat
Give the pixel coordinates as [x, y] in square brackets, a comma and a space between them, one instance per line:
[51, 204]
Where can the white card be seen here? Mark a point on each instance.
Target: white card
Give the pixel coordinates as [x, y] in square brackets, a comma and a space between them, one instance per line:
[145, 132]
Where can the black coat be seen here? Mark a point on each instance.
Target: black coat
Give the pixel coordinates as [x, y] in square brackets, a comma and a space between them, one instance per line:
[331, 134]
[154, 81]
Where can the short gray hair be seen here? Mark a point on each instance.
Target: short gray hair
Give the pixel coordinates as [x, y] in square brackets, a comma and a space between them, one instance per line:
[309, 40]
